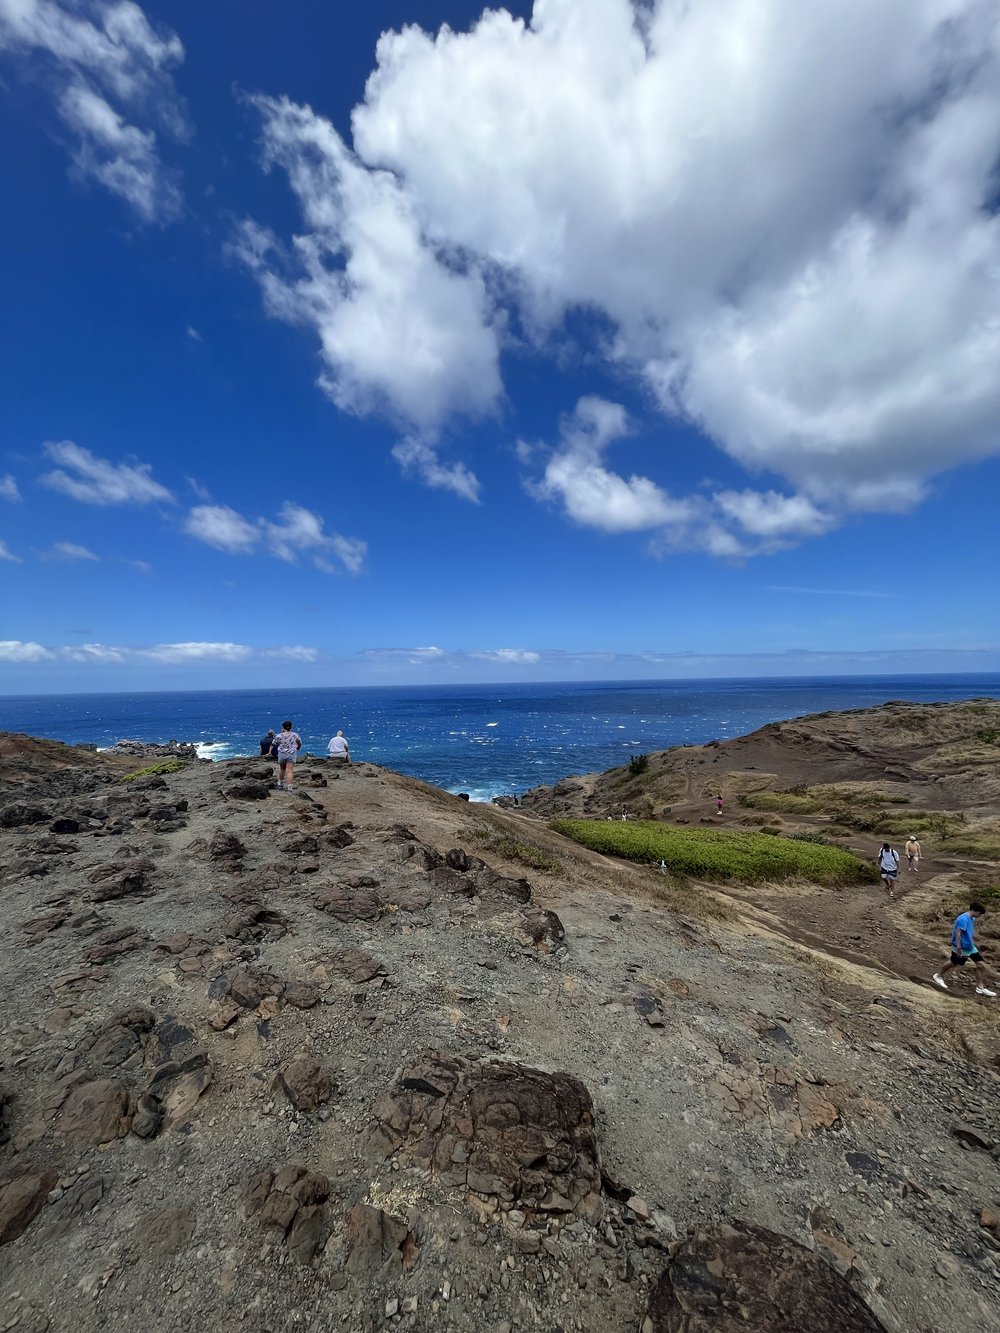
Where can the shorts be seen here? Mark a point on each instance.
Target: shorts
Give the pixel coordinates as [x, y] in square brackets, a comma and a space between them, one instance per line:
[889, 874]
[286, 758]
[960, 959]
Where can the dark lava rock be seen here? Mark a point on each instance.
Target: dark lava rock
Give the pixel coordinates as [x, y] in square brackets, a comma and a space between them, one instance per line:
[543, 929]
[18, 815]
[223, 846]
[517, 1133]
[290, 1204]
[376, 1239]
[306, 1083]
[346, 904]
[23, 1191]
[65, 824]
[120, 878]
[247, 791]
[95, 1112]
[740, 1278]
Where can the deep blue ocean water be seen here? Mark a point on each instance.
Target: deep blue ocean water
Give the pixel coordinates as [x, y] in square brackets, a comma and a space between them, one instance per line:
[483, 739]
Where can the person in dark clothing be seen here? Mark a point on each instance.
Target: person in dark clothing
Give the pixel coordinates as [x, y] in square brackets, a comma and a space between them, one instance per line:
[266, 742]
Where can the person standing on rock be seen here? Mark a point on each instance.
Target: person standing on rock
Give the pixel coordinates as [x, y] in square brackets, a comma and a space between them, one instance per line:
[912, 850]
[289, 744]
[339, 749]
[888, 864]
[963, 950]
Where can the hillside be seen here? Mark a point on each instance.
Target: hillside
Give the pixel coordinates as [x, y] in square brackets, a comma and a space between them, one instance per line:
[371, 1056]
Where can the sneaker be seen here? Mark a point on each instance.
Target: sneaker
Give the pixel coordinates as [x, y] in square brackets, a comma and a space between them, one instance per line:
[982, 990]
[940, 981]
[290, 789]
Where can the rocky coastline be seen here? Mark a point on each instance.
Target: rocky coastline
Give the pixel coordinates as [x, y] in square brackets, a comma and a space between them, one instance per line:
[369, 1056]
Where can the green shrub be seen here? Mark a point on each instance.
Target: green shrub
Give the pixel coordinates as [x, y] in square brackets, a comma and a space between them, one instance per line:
[637, 764]
[156, 770]
[718, 853]
[989, 737]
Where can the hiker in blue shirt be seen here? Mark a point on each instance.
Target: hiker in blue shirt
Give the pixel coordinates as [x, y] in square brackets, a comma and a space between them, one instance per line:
[963, 949]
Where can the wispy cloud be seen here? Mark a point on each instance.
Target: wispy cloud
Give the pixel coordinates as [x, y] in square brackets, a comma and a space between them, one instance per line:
[107, 67]
[828, 592]
[296, 531]
[7, 554]
[417, 458]
[9, 489]
[169, 654]
[69, 551]
[97, 481]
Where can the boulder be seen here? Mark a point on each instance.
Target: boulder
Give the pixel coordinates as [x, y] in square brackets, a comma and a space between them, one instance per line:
[305, 1083]
[377, 1240]
[95, 1112]
[18, 815]
[23, 1191]
[290, 1204]
[520, 1134]
[739, 1278]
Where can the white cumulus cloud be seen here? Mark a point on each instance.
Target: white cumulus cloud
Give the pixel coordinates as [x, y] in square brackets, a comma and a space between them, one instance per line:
[105, 63]
[296, 531]
[781, 217]
[14, 650]
[7, 554]
[9, 489]
[97, 481]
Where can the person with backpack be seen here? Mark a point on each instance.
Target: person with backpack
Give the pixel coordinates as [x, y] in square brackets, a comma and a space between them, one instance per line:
[963, 950]
[888, 864]
[288, 744]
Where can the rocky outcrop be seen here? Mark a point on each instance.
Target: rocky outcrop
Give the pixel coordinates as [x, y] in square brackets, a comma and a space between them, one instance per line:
[504, 1130]
[739, 1278]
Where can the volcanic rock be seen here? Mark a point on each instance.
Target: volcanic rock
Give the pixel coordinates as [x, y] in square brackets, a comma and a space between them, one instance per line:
[497, 1129]
[740, 1278]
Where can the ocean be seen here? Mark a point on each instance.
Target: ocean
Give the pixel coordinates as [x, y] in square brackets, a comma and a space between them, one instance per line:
[487, 740]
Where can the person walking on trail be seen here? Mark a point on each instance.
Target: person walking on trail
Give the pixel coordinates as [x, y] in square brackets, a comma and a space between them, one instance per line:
[289, 744]
[912, 850]
[963, 950]
[339, 749]
[718, 804]
[888, 864]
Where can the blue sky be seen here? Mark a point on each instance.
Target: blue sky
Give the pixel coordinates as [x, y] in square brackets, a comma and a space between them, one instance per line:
[574, 342]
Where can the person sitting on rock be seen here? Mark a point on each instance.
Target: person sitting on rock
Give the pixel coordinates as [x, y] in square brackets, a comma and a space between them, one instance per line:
[266, 742]
[338, 749]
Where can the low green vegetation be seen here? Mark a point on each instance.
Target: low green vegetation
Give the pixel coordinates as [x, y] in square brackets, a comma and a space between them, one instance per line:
[717, 854]
[841, 803]
[156, 770]
[501, 843]
[638, 764]
[989, 737]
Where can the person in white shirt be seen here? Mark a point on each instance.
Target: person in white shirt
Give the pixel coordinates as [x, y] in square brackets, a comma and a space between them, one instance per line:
[339, 749]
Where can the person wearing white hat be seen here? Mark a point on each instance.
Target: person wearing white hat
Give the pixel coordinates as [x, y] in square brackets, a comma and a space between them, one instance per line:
[912, 850]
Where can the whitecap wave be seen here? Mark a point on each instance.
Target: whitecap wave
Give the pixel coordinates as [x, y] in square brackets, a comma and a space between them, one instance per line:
[483, 794]
[215, 750]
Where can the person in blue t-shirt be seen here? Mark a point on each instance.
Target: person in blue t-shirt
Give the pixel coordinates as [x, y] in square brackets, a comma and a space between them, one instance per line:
[963, 949]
